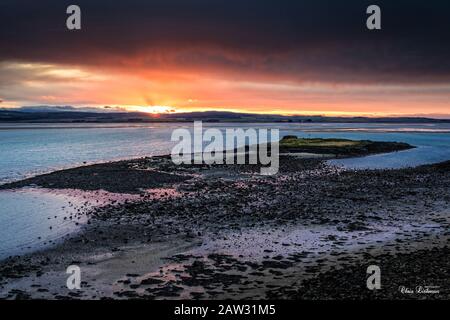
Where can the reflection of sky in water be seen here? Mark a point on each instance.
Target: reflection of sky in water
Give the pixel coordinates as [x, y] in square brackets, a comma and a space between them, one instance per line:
[26, 217]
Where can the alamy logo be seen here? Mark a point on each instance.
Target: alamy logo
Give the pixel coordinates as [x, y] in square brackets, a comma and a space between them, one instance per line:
[73, 22]
[258, 146]
[74, 280]
[374, 280]
[374, 20]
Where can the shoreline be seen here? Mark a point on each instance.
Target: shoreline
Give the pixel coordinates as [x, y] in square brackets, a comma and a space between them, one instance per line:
[187, 239]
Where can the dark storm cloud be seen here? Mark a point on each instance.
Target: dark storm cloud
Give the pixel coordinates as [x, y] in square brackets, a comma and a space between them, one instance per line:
[296, 40]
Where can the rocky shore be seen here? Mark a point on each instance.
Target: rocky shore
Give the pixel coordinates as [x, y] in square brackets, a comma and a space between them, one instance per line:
[224, 231]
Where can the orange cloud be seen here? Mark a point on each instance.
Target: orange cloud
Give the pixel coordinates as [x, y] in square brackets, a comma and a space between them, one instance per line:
[181, 90]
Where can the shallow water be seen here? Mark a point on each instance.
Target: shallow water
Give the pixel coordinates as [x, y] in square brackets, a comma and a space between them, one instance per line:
[32, 219]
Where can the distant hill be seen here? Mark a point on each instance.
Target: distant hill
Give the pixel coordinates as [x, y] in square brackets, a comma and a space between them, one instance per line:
[72, 115]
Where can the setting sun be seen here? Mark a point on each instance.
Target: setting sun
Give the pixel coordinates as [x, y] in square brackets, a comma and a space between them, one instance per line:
[150, 109]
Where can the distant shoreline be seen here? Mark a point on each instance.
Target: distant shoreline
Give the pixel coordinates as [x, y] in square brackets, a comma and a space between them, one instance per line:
[73, 116]
[226, 121]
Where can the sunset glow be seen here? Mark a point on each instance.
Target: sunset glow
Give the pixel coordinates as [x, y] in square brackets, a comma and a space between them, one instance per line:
[156, 91]
[180, 66]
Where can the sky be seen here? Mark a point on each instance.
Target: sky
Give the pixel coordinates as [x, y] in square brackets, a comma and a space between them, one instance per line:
[263, 56]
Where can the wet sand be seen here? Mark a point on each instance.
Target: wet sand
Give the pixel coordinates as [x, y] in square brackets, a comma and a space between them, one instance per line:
[213, 232]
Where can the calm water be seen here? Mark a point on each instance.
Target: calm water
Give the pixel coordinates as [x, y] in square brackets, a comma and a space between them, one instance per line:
[30, 149]
[32, 219]
[26, 216]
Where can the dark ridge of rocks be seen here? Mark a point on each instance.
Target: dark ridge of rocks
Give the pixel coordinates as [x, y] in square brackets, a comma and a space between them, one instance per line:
[136, 175]
[119, 177]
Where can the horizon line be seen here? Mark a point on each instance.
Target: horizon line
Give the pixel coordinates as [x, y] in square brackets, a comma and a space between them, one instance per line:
[173, 110]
